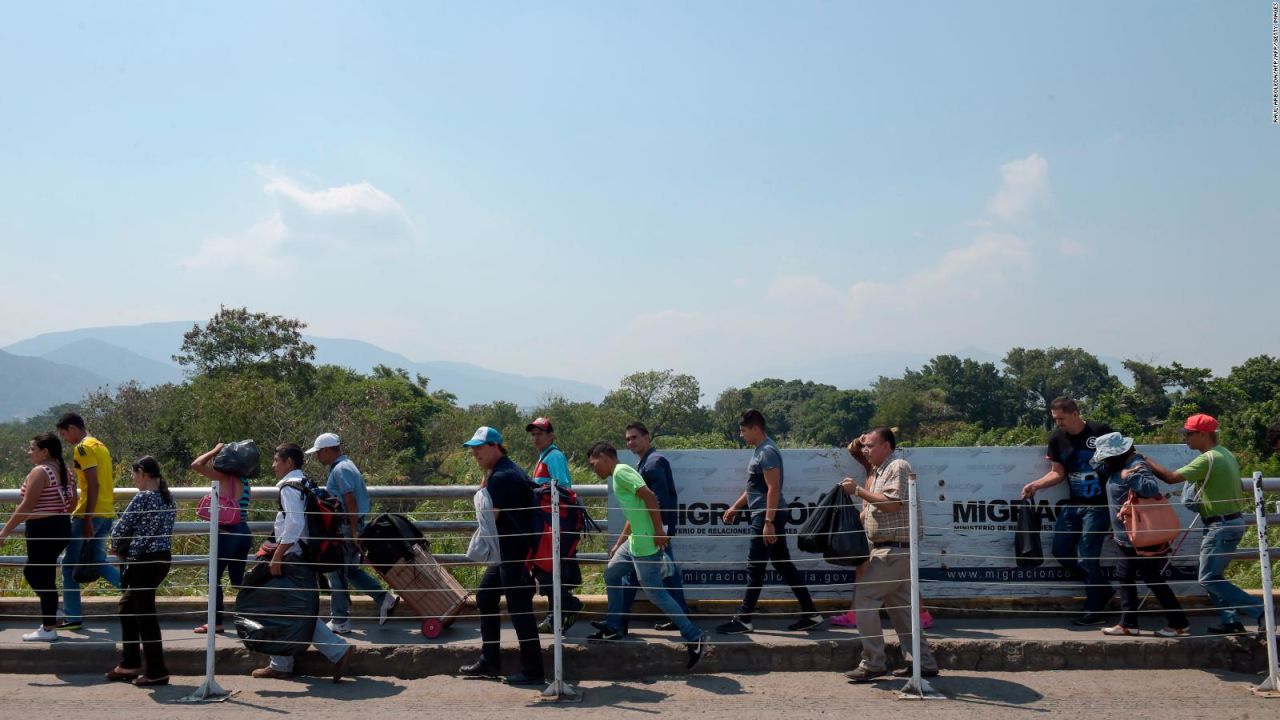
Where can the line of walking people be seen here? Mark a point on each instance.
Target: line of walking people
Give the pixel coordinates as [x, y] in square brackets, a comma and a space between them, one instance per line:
[74, 518]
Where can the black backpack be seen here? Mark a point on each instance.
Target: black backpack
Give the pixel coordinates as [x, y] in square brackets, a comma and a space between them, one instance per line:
[324, 550]
[390, 538]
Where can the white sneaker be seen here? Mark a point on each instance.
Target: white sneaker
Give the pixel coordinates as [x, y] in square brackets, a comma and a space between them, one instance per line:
[339, 628]
[388, 606]
[41, 635]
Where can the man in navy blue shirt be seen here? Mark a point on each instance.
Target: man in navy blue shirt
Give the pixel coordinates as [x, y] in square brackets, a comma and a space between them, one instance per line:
[656, 471]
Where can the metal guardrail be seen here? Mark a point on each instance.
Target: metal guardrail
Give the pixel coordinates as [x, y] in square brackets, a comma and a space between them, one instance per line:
[378, 492]
[439, 492]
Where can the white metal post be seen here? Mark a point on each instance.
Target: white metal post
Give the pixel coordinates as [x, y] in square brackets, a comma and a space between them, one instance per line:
[558, 689]
[917, 688]
[210, 690]
[1271, 686]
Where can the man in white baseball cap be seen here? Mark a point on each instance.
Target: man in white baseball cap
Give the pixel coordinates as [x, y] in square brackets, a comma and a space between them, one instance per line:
[347, 484]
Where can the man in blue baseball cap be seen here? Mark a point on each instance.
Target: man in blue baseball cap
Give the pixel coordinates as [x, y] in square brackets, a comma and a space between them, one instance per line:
[513, 505]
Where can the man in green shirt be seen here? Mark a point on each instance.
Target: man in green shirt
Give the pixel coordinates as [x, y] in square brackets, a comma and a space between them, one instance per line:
[638, 549]
[1215, 477]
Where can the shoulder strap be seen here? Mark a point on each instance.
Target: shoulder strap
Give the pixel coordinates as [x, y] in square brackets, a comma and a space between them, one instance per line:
[300, 486]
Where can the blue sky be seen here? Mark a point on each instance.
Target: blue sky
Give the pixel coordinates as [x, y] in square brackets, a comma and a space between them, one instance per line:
[586, 189]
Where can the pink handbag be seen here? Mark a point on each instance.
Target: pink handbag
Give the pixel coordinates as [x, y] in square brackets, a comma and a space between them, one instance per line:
[228, 509]
[1150, 523]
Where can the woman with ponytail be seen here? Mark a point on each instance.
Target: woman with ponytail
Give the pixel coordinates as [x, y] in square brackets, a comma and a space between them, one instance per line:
[143, 538]
[47, 497]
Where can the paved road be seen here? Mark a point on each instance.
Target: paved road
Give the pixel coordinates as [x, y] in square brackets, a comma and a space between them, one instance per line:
[1166, 695]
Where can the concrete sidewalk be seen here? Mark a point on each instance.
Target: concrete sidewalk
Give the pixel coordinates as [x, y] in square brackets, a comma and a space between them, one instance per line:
[1032, 643]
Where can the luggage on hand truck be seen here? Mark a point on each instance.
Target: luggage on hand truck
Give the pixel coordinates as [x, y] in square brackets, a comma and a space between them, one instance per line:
[399, 553]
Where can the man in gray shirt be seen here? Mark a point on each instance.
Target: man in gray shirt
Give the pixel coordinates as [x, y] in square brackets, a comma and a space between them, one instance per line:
[763, 498]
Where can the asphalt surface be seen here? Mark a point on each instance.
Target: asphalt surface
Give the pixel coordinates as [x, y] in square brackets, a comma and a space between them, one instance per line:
[1165, 694]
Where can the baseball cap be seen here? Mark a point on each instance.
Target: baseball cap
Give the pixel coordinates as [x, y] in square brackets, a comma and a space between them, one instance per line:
[1200, 423]
[484, 435]
[325, 440]
[541, 423]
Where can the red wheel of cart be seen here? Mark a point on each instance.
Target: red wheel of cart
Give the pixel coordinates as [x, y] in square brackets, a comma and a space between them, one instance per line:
[432, 628]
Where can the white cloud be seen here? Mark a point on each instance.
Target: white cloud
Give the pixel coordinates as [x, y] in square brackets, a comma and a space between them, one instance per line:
[979, 288]
[305, 223]
[1024, 183]
[344, 199]
[256, 248]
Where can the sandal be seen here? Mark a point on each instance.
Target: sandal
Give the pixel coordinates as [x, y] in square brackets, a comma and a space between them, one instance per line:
[1121, 630]
[204, 629]
[127, 675]
[143, 681]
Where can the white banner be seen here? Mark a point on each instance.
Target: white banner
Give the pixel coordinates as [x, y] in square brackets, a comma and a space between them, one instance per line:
[966, 494]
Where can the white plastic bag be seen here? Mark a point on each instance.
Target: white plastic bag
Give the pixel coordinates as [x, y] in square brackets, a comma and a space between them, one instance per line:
[483, 547]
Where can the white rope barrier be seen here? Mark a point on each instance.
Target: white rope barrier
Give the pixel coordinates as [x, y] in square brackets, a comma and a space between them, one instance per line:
[558, 689]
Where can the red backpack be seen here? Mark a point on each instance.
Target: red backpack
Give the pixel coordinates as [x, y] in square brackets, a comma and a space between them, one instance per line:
[574, 521]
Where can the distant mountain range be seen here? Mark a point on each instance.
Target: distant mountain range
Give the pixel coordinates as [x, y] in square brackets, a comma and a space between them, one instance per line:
[60, 367]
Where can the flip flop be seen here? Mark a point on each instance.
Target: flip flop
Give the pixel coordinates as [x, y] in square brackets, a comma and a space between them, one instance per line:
[125, 675]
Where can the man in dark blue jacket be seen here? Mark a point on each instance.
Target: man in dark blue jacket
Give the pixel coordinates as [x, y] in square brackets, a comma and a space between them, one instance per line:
[656, 471]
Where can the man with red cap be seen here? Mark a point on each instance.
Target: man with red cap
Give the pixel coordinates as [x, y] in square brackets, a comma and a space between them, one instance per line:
[1214, 478]
[553, 466]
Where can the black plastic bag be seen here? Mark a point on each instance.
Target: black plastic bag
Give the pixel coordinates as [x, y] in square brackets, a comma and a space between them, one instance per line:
[277, 615]
[834, 529]
[814, 534]
[88, 568]
[238, 458]
[847, 542]
[388, 539]
[1026, 537]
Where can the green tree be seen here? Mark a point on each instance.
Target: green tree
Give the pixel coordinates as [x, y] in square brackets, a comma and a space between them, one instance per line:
[784, 404]
[904, 404]
[975, 391]
[832, 417]
[1043, 375]
[666, 402]
[235, 339]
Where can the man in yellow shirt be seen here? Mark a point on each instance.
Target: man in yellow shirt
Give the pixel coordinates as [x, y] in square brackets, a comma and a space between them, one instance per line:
[92, 517]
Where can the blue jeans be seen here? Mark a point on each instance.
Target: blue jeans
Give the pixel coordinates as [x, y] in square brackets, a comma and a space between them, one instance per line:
[351, 576]
[674, 584]
[110, 573]
[234, 542]
[330, 646]
[623, 566]
[1220, 540]
[1077, 544]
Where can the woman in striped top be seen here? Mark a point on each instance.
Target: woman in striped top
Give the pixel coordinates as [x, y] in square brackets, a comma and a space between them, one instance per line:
[235, 540]
[47, 495]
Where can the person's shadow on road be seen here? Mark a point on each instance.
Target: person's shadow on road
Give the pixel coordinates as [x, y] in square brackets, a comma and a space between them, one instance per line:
[974, 689]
